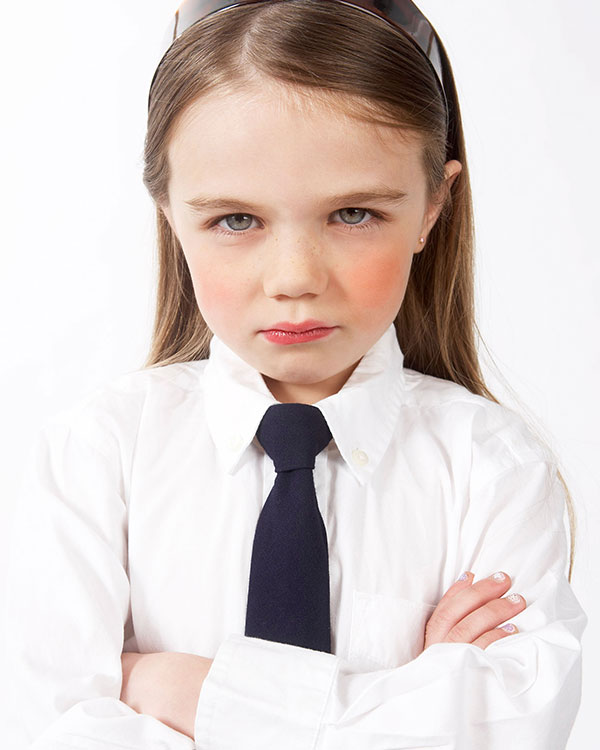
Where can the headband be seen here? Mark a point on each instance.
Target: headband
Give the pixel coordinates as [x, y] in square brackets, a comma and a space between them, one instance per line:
[402, 14]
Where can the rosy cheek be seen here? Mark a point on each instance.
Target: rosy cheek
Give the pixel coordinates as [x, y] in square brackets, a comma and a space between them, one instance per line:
[373, 283]
[217, 297]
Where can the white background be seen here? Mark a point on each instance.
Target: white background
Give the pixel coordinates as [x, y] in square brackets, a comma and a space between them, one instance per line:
[78, 246]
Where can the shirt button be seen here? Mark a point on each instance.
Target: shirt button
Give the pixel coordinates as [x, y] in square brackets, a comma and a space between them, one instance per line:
[359, 457]
[235, 442]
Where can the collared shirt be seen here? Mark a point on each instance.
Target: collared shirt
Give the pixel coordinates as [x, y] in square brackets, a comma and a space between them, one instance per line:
[134, 532]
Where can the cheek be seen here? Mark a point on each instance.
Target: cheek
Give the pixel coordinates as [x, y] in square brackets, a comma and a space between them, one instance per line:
[378, 281]
[218, 294]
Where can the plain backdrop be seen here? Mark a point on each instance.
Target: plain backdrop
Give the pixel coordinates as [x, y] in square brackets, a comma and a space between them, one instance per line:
[78, 241]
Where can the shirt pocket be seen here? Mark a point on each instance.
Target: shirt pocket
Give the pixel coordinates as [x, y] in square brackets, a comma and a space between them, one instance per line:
[386, 631]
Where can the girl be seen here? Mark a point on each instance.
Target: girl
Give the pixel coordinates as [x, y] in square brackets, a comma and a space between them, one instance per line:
[314, 214]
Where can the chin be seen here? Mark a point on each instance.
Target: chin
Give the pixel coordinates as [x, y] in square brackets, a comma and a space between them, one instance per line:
[298, 376]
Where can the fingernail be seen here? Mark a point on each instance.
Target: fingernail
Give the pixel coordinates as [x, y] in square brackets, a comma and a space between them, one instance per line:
[514, 598]
[498, 577]
[463, 577]
[509, 627]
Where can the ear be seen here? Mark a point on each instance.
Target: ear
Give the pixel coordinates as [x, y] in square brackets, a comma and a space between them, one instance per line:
[452, 169]
[166, 209]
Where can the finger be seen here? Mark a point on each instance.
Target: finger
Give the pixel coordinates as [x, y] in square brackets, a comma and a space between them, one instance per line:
[465, 580]
[453, 609]
[485, 618]
[128, 661]
[495, 635]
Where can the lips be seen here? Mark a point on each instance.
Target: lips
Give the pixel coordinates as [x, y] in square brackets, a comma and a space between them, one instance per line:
[306, 325]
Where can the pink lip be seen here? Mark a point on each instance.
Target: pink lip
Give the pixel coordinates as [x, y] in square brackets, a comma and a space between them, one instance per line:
[285, 338]
[307, 325]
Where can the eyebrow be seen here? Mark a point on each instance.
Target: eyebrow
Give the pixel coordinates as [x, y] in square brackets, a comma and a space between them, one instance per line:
[351, 200]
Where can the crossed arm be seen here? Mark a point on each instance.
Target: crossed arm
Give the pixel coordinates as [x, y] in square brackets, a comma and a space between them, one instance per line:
[167, 684]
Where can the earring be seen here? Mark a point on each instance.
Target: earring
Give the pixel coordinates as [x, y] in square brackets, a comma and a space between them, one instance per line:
[422, 239]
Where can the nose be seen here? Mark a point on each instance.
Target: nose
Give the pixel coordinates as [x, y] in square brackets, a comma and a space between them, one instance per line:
[294, 266]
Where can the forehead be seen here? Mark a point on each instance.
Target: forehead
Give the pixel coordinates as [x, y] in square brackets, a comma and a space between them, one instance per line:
[266, 128]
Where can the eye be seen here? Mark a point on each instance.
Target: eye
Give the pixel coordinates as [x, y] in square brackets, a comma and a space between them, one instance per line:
[354, 214]
[240, 224]
[236, 222]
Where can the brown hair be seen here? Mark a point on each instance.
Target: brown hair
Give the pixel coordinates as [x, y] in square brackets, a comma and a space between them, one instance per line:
[354, 62]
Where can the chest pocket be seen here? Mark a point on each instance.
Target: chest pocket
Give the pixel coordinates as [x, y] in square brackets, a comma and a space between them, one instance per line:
[386, 631]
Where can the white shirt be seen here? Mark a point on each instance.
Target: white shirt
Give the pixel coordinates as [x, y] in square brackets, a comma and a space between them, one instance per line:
[135, 531]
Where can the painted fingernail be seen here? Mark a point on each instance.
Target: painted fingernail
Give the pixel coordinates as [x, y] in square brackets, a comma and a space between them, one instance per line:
[463, 577]
[509, 627]
[498, 577]
[514, 598]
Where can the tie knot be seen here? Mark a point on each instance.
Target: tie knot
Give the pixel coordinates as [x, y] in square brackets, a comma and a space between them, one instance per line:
[292, 435]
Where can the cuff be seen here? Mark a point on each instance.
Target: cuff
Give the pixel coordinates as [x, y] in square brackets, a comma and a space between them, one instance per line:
[259, 693]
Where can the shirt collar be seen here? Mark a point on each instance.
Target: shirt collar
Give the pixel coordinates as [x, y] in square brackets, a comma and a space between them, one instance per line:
[361, 416]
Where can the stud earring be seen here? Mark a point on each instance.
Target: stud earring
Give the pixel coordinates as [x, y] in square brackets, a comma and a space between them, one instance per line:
[422, 239]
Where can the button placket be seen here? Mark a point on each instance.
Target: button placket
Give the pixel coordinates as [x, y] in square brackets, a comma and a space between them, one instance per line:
[320, 474]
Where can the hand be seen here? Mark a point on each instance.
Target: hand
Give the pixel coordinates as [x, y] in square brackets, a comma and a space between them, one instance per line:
[469, 612]
[166, 685]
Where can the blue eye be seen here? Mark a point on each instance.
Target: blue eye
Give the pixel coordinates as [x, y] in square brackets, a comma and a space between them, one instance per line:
[360, 210]
[234, 221]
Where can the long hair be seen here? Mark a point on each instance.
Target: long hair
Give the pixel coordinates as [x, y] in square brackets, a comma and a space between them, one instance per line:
[361, 65]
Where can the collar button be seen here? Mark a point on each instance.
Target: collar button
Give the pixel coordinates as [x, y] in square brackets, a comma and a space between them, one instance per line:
[359, 457]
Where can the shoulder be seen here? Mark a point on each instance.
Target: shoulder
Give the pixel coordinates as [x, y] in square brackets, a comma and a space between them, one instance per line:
[491, 435]
[115, 408]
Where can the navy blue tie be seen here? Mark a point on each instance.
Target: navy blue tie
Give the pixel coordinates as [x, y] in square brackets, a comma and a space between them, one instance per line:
[288, 592]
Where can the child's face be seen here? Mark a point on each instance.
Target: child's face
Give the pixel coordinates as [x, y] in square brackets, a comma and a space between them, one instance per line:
[295, 252]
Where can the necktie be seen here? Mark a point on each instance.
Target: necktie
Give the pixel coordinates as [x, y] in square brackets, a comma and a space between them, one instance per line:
[288, 591]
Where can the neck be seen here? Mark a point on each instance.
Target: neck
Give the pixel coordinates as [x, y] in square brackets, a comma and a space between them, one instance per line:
[307, 393]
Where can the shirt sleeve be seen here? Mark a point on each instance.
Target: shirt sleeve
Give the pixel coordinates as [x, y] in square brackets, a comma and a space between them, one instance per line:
[522, 692]
[67, 600]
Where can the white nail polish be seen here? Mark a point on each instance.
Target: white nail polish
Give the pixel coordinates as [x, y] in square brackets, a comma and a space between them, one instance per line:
[514, 598]
[462, 577]
[498, 577]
